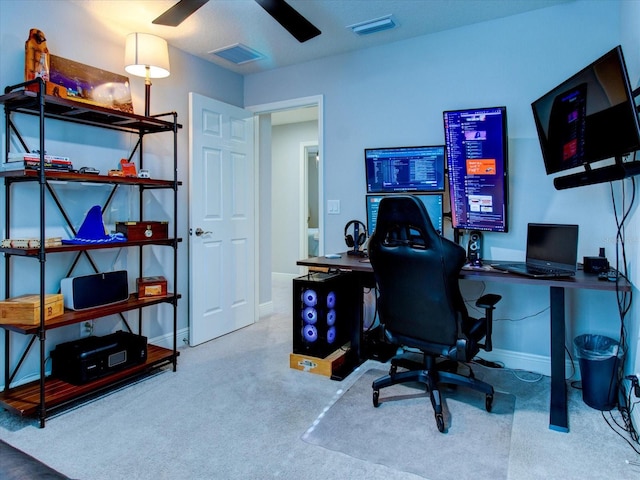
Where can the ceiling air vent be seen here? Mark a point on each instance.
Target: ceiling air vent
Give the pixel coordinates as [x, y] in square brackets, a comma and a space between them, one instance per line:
[237, 54]
[373, 26]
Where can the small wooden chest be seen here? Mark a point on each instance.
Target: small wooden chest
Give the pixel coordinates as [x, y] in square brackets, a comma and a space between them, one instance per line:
[25, 309]
[151, 287]
[135, 231]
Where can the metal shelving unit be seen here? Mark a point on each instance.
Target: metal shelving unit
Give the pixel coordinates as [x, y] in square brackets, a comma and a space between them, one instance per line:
[41, 397]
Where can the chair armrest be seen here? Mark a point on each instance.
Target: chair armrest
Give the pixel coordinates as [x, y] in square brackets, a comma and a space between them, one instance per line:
[488, 302]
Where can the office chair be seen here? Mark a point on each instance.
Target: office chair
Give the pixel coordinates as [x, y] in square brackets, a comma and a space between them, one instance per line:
[420, 304]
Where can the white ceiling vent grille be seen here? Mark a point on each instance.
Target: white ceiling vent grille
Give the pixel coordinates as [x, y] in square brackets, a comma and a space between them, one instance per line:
[373, 26]
[238, 54]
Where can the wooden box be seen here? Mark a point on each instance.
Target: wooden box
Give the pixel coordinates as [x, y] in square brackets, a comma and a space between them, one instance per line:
[321, 366]
[135, 231]
[151, 287]
[25, 309]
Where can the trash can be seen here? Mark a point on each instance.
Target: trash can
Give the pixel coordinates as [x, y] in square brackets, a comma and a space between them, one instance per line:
[599, 358]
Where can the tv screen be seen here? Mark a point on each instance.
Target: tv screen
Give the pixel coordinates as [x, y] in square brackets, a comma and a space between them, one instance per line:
[405, 169]
[588, 117]
[476, 144]
[432, 201]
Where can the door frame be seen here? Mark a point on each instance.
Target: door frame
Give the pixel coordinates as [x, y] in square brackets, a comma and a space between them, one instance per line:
[295, 103]
[304, 198]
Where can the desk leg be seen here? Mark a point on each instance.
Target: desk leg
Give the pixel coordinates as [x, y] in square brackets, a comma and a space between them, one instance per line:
[558, 418]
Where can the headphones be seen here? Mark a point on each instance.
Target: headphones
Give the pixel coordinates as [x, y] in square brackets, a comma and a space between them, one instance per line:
[361, 236]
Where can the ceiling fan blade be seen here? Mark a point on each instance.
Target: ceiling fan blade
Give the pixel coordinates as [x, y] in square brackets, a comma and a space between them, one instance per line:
[290, 19]
[179, 12]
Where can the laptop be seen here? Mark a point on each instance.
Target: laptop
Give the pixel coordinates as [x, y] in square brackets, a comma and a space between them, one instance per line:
[552, 252]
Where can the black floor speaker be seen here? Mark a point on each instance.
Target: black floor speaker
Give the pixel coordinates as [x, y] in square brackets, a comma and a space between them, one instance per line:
[325, 311]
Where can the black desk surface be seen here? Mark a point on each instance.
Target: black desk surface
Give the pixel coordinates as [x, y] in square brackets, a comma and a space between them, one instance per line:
[584, 280]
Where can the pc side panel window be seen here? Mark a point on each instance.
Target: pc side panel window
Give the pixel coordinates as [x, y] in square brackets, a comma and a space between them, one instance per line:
[405, 169]
[476, 143]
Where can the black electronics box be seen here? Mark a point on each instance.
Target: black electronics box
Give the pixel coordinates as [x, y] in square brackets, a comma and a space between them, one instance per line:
[325, 312]
[87, 359]
[595, 264]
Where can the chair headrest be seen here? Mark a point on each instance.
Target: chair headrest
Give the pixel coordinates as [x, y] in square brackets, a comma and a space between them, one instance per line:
[403, 220]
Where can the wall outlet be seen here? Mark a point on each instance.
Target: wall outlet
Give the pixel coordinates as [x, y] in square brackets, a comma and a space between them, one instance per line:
[86, 328]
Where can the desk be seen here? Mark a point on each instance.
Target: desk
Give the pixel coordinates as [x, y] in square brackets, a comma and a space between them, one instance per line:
[558, 415]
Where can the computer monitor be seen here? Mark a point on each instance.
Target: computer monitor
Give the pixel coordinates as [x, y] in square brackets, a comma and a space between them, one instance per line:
[587, 118]
[432, 201]
[405, 169]
[476, 141]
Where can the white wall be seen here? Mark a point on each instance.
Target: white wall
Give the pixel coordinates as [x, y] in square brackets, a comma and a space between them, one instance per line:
[73, 35]
[395, 94]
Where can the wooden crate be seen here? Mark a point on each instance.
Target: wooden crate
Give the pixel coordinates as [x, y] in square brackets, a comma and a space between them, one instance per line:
[321, 366]
[151, 287]
[25, 309]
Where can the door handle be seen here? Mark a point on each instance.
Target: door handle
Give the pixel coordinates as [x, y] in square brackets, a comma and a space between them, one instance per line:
[200, 232]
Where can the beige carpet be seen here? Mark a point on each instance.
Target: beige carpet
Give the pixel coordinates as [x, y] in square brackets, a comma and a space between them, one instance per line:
[402, 434]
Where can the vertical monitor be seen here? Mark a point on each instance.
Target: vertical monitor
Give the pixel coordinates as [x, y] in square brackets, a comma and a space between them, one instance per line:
[405, 169]
[476, 141]
[432, 201]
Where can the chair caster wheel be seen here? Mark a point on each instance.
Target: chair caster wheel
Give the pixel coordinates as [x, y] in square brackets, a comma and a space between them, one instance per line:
[488, 403]
[376, 395]
[393, 370]
[440, 422]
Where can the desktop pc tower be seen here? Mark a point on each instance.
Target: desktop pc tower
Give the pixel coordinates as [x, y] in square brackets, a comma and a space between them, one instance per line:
[325, 310]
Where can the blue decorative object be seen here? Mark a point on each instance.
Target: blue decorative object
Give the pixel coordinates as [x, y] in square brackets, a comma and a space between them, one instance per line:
[92, 230]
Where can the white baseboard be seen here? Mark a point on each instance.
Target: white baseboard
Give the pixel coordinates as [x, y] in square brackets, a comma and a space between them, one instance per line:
[166, 340]
[529, 362]
[265, 309]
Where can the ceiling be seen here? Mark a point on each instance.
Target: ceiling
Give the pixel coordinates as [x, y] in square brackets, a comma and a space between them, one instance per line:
[222, 23]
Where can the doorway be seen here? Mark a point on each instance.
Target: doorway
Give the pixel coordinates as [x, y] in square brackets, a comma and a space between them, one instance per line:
[273, 235]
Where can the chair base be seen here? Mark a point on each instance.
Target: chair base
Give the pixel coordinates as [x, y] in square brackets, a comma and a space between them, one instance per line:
[431, 376]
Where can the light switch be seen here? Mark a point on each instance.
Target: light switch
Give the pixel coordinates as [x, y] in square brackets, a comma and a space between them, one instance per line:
[333, 207]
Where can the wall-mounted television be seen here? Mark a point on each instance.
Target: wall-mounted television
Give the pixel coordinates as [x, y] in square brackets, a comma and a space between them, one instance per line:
[432, 202]
[587, 118]
[476, 145]
[405, 169]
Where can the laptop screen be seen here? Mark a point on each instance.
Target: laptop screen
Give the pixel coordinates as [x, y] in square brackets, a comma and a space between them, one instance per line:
[552, 245]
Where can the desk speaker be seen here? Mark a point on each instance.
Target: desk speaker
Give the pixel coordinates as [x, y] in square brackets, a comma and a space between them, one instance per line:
[324, 310]
[474, 248]
[90, 291]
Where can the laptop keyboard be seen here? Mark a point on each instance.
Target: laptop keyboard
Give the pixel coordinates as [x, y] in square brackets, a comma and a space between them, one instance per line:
[548, 271]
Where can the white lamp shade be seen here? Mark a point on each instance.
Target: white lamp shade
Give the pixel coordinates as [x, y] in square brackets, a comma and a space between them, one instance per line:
[146, 53]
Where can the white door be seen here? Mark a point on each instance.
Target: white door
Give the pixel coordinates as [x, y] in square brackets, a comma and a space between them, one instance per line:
[221, 220]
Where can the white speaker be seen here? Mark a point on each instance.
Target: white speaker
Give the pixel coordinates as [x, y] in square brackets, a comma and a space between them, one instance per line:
[90, 291]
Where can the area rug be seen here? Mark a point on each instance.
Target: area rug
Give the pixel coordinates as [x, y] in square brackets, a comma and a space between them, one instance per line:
[402, 433]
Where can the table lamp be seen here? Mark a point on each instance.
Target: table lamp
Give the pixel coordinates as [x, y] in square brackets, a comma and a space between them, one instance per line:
[147, 56]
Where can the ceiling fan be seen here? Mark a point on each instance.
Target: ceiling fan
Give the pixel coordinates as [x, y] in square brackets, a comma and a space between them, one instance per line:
[281, 11]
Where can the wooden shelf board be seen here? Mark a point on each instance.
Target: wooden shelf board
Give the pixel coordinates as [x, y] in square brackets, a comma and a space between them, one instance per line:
[25, 399]
[25, 101]
[70, 317]
[32, 175]
[97, 246]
